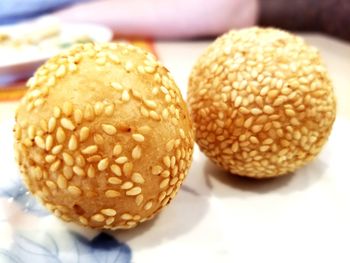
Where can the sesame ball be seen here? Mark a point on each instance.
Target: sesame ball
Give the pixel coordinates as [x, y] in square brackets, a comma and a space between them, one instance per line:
[261, 102]
[103, 136]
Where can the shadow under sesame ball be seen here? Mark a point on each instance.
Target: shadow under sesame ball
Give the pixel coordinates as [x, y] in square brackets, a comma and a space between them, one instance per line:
[261, 102]
[103, 136]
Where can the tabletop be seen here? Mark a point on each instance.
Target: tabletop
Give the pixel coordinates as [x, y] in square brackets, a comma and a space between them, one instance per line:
[217, 217]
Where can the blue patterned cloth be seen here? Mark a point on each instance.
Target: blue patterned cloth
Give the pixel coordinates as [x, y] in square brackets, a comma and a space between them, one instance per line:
[12, 11]
[51, 246]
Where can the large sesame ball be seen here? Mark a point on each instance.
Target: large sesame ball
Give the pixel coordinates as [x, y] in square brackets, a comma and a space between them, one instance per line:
[261, 101]
[103, 136]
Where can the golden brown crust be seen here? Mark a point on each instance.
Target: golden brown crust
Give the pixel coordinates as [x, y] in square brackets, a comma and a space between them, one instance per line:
[261, 101]
[103, 136]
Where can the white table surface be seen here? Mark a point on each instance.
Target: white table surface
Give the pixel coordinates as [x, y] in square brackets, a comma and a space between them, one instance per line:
[217, 217]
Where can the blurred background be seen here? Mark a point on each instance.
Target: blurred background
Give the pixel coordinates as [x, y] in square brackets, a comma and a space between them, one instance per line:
[176, 31]
[296, 219]
[33, 30]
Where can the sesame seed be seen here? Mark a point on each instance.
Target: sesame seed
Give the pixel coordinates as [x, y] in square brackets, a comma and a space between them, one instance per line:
[109, 110]
[165, 114]
[94, 158]
[164, 90]
[144, 112]
[134, 191]
[110, 220]
[279, 101]
[90, 149]
[91, 172]
[116, 169]
[238, 101]
[253, 139]
[31, 132]
[108, 212]
[127, 168]
[72, 67]
[268, 141]
[256, 111]
[51, 81]
[156, 170]
[139, 200]
[148, 205]
[39, 141]
[136, 152]
[61, 71]
[89, 113]
[170, 145]
[125, 96]
[67, 124]
[164, 183]
[67, 172]
[268, 109]
[166, 161]
[103, 164]
[50, 158]
[154, 115]
[117, 149]
[98, 139]
[168, 98]
[56, 149]
[137, 178]
[121, 160]
[79, 171]
[127, 185]
[51, 185]
[182, 133]
[264, 148]
[286, 91]
[79, 160]
[126, 216]
[257, 128]
[98, 217]
[68, 159]
[290, 112]
[83, 220]
[84, 134]
[150, 69]
[131, 223]
[48, 142]
[112, 193]
[161, 197]
[128, 66]
[109, 129]
[114, 180]
[150, 104]
[138, 137]
[98, 108]
[174, 181]
[72, 143]
[74, 190]
[51, 124]
[114, 58]
[117, 86]
[67, 108]
[62, 182]
[144, 129]
[165, 201]
[165, 173]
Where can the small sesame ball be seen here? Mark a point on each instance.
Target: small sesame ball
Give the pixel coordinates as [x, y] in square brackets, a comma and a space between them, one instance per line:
[103, 137]
[261, 102]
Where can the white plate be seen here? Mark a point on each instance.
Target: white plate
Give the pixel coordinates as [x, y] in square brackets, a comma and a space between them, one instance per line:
[22, 64]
